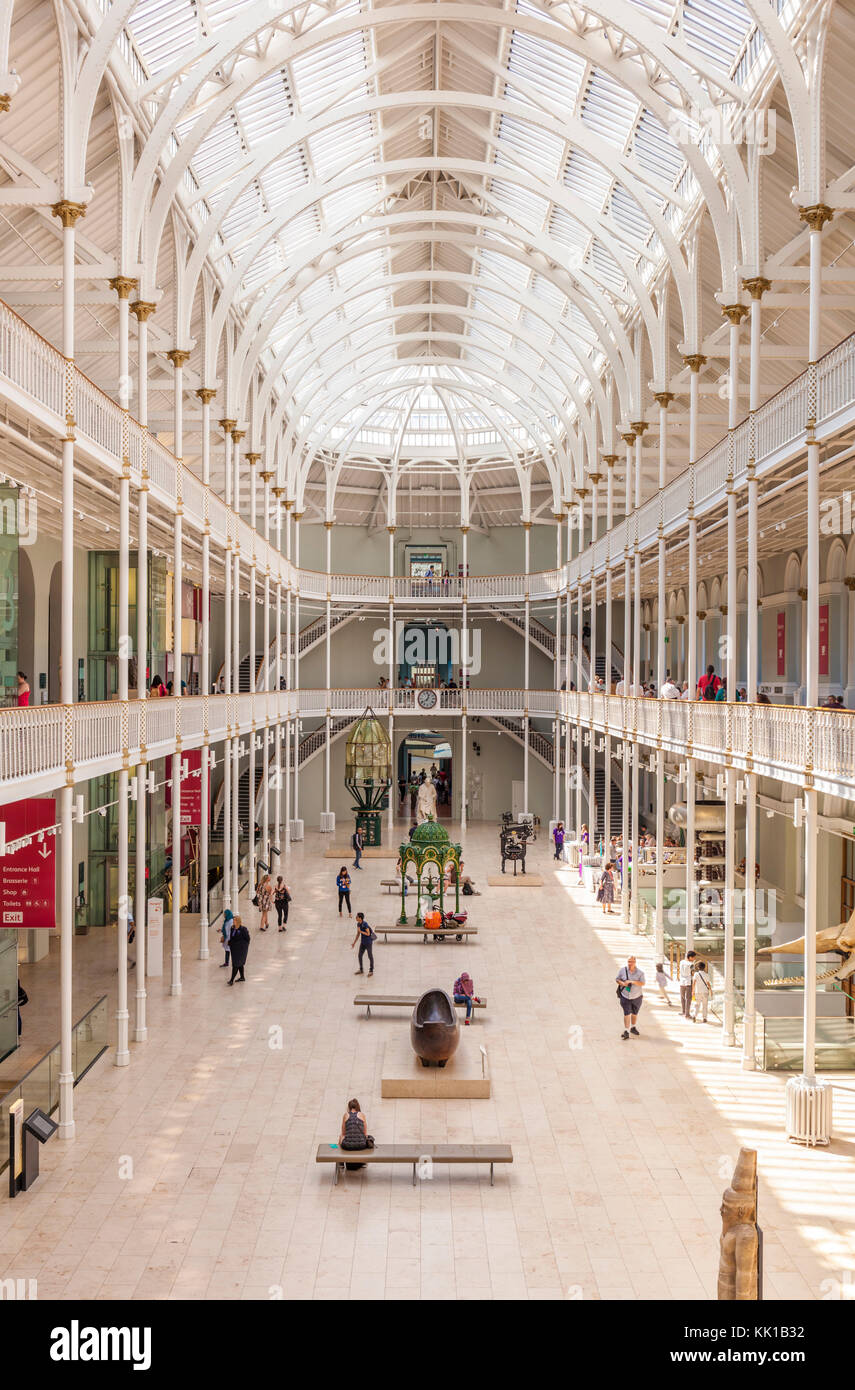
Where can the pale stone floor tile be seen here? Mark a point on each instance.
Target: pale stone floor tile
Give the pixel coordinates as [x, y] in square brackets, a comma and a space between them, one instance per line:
[619, 1147]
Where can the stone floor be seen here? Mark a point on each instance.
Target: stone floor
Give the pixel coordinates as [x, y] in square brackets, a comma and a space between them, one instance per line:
[192, 1174]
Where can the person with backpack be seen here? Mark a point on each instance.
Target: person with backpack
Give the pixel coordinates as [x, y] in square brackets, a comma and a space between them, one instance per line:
[239, 947]
[366, 936]
[343, 885]
[464, 993]
[281, 899]
[630, 986]
[357, 843]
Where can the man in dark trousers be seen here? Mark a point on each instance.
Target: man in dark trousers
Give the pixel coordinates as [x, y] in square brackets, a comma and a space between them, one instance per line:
[366, 936]
[356, 841]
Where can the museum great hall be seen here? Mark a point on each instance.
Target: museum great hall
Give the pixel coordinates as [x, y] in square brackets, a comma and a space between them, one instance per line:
[413, 419]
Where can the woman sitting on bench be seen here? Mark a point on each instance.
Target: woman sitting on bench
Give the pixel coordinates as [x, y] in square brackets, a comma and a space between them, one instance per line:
[354, 1133]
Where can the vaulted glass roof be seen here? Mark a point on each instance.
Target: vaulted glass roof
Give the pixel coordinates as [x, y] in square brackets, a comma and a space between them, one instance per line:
[484, 200]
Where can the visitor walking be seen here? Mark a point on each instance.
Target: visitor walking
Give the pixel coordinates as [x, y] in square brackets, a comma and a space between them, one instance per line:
[558, 837]
[23, 690]
[264, 900]
[357, 842]
[354, 1133]
[606, 889]
[663, 982]
[281, 899]
[239, 947]
[630, 985]
[342, 883]
[685, 978]
[702, 991]
[23, 998]
[225, 933]
[464, 993]
[366, 936]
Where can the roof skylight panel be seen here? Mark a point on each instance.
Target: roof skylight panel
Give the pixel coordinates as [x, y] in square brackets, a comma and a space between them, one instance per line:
[655, 149]
[586, 178]
[320, 75]
[343, 146]
[627, 214]
[244, 214]
[564, 229]
[523, 145]
[716, 28]
[605, 265]
[161, 29]
[266, 107]
[556, 72]
[528, 209]
[609, 109]
[280, 180]
[219, 153]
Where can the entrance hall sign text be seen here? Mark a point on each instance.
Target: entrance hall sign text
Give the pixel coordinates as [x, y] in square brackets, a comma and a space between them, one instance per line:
[28, 874]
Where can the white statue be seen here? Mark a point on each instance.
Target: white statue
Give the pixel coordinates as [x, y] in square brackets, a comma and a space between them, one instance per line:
[426, 803]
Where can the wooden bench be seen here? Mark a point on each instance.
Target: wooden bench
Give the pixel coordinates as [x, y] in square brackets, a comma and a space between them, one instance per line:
[458, 932]
[395, 884]
[416, 1154]
[402, 1001]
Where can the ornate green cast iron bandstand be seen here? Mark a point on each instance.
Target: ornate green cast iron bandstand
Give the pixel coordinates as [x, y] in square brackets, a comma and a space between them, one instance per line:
[429, 846]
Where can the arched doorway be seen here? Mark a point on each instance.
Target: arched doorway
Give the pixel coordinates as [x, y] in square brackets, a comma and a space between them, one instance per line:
[423, 754]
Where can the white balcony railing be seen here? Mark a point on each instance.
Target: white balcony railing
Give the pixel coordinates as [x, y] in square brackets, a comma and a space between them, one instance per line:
[802, 746]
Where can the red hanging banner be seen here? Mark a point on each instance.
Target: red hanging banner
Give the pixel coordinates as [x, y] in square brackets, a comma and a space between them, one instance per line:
[823, 639]
[782, 644]
[28, 873]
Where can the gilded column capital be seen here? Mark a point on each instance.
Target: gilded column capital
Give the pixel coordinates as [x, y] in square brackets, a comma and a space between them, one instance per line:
[123, 284]
[610, 459]
[142, 309]
[816, 215]
[391, 530]
[663, 398]
[68, 212]
[227, 425]
[756, 285]
[639, 426]
[206, 394]
[734, 313]
[694, 361]
[628, 437]
[238, 435]
[178, 356]
[252, 459]
[265, 476]
[328, 525]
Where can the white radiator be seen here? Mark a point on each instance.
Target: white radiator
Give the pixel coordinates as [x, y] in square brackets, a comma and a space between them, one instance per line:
[808, 1111]
[327, 822]
[296, 830]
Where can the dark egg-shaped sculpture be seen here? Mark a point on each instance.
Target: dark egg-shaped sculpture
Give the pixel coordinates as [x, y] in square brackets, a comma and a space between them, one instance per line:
[434, 1028]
